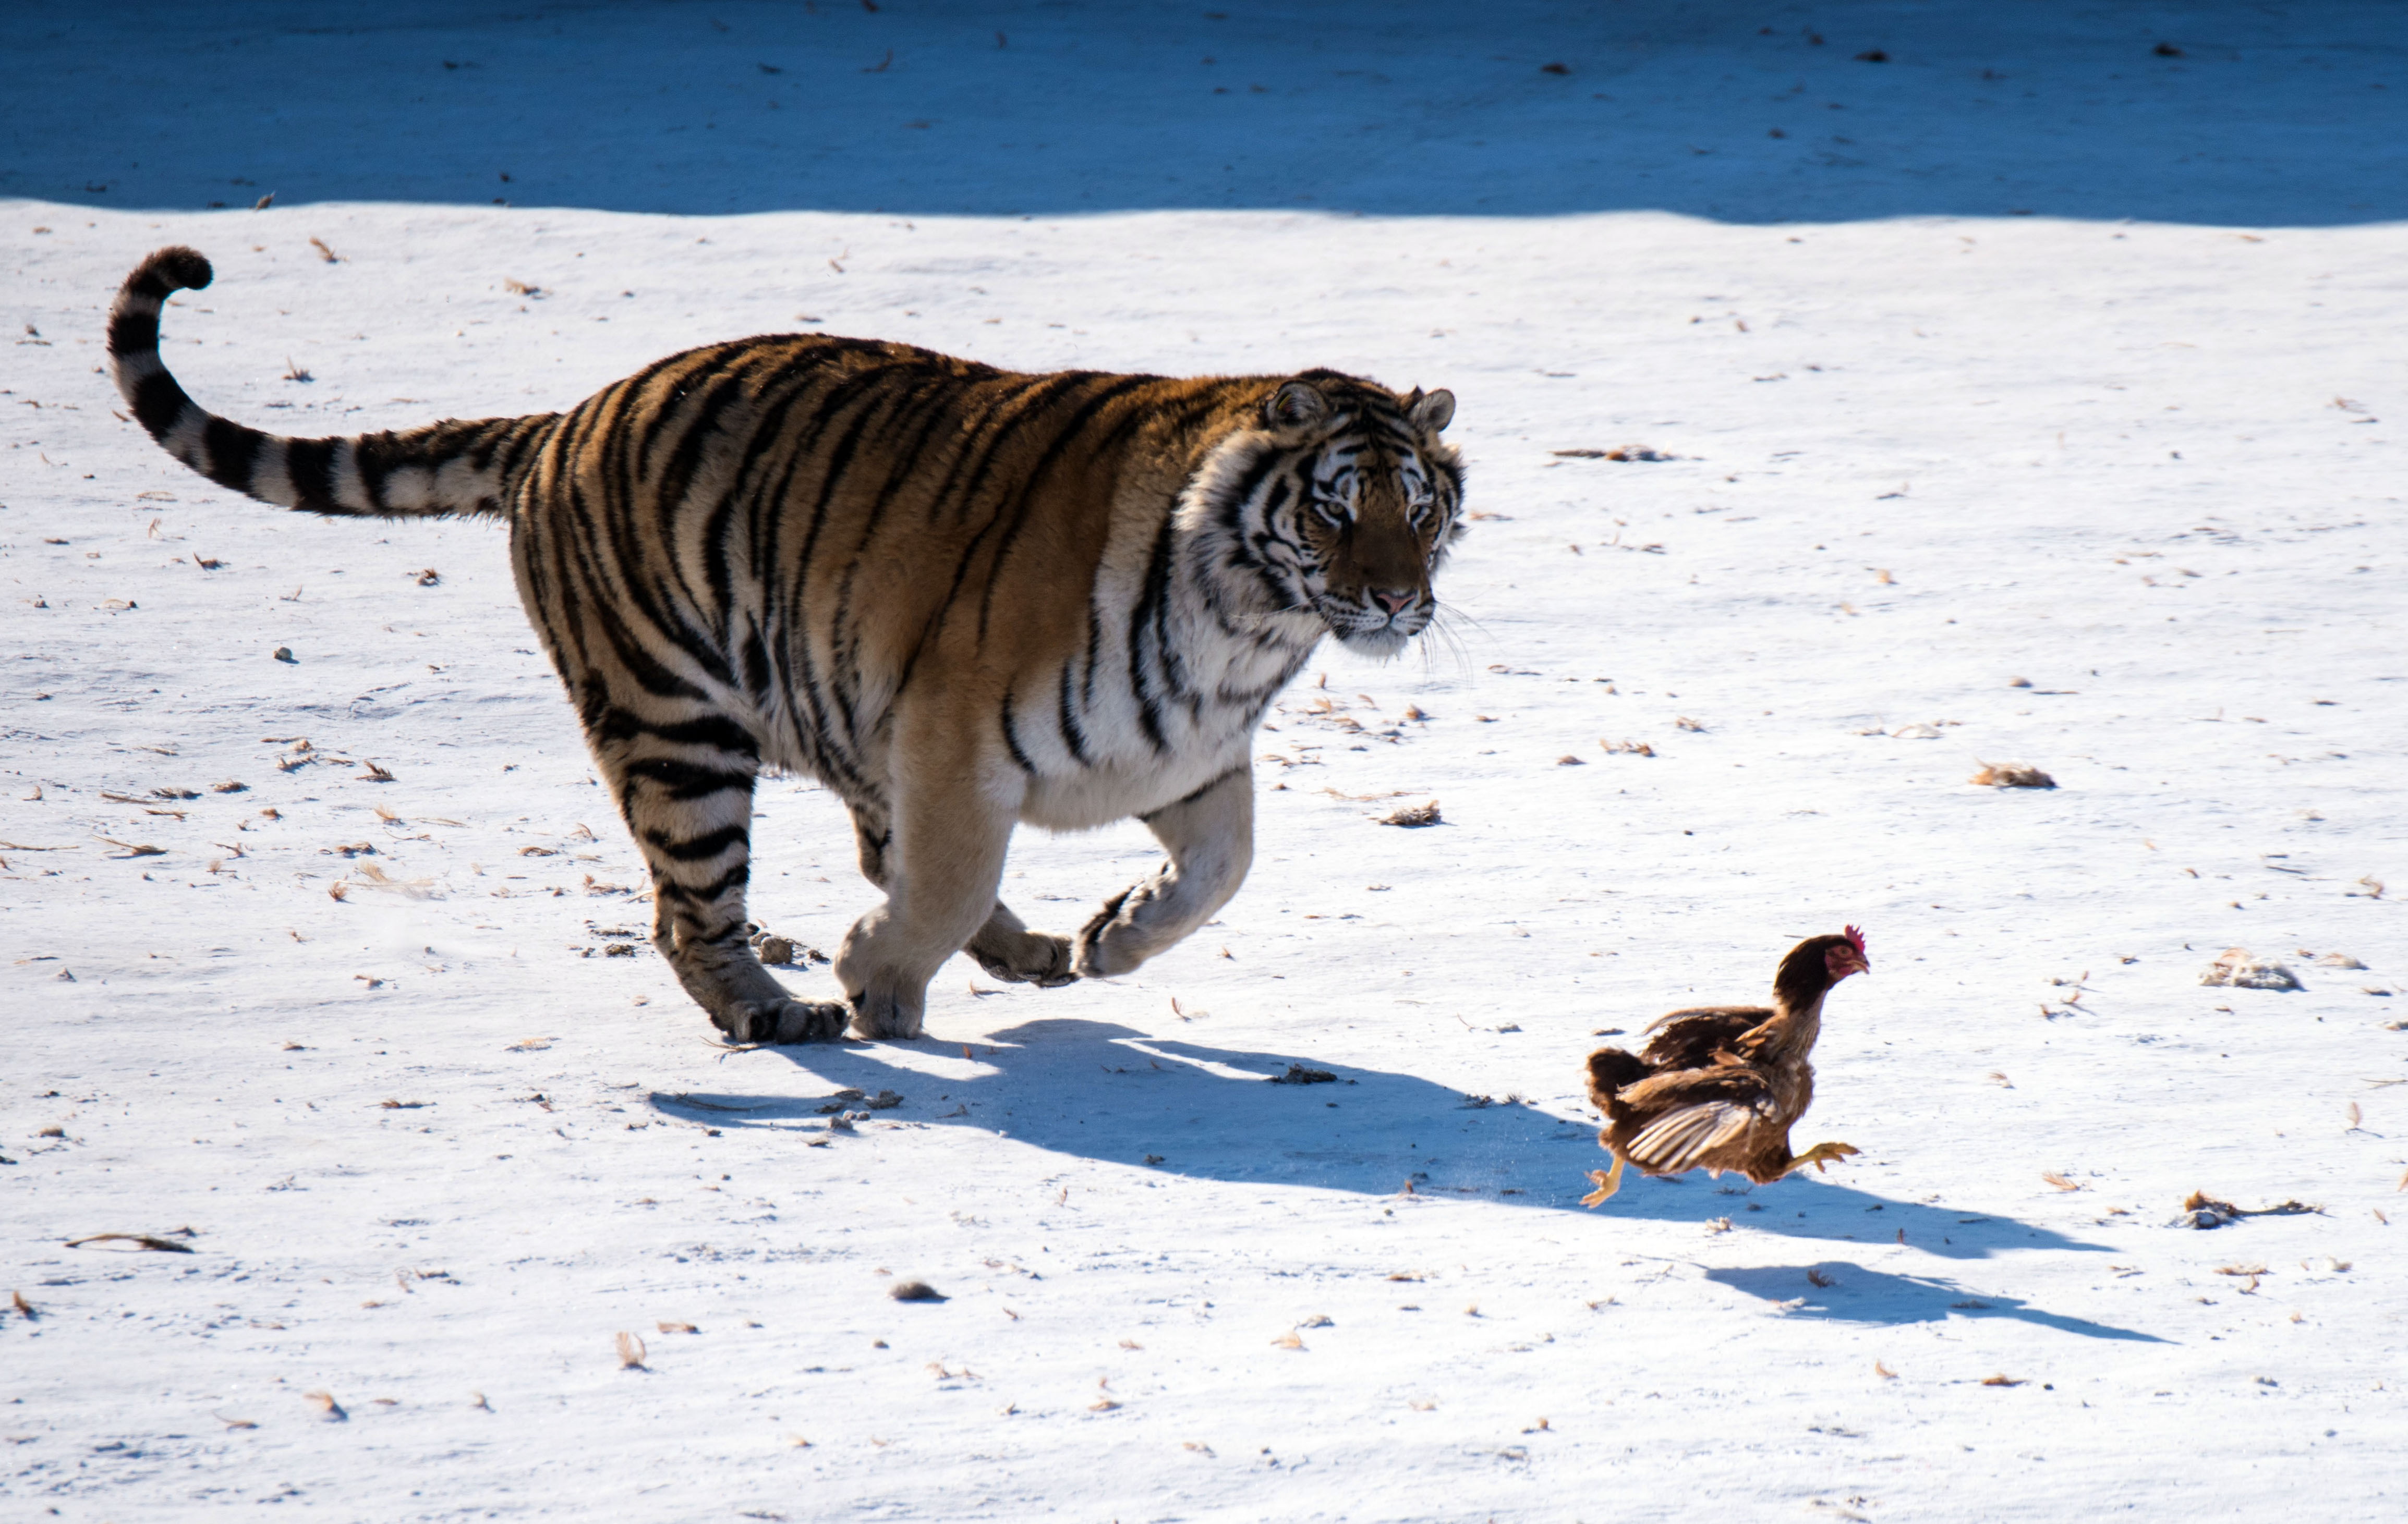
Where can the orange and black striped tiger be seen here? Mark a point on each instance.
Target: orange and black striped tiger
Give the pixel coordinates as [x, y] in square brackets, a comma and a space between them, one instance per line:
[960, 597]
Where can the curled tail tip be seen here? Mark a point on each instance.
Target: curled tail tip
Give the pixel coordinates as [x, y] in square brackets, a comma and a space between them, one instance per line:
[175, 268]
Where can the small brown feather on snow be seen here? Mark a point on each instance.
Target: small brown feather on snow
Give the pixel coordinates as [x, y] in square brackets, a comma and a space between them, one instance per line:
[2012, 776]
[140, 1241]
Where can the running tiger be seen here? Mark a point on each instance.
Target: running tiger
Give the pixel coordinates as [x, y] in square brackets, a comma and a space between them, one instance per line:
[960, 597]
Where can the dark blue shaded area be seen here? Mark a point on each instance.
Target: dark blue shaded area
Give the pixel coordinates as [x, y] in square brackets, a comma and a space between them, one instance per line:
[1857, 1295]
[2266, 114]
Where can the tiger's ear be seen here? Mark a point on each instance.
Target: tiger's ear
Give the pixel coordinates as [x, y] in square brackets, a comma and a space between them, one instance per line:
[1294, 404]
[1433, 412]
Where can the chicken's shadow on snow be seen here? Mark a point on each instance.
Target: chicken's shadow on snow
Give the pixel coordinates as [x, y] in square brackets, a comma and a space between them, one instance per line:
[1850, 1293]
[1100, 1091]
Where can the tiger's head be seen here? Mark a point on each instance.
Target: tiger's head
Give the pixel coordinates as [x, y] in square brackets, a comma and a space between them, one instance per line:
[1341, 502]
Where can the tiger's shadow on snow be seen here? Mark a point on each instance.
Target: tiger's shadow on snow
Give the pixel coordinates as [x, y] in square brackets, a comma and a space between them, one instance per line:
[1103, 1092]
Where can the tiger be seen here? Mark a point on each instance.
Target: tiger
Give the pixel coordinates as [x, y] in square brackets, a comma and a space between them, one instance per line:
[963, 599]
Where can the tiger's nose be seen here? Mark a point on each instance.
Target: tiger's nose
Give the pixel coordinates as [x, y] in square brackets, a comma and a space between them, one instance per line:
[1396, 603]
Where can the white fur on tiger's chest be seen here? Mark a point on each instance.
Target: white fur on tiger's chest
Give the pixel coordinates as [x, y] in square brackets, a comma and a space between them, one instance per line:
[1123, 772]
[1168, 700]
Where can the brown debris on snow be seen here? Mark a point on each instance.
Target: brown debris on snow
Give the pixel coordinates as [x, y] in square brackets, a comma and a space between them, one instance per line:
[146, 1240]
[328, 1409]
[1298, 1074]
[914, 1290]
[1619, 453]
[2238, 968]
[1412, 815]
[631, 1352]
[2012, 776]
[2201, 1210]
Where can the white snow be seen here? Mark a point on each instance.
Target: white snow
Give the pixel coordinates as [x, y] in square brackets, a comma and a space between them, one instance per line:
[2119, 500]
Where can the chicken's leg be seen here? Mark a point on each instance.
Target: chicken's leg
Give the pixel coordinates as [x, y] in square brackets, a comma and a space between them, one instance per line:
[1607, 1183]
[1821, 1154]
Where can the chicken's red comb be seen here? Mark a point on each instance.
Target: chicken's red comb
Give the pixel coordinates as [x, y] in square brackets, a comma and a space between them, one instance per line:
[1856, 940]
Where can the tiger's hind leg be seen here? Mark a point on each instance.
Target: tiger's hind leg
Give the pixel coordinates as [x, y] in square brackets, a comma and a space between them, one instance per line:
[1003, 945]
[1209, 836]
[686, 790]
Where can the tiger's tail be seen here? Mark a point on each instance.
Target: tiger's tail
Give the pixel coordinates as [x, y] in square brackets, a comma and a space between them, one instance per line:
[451, 468]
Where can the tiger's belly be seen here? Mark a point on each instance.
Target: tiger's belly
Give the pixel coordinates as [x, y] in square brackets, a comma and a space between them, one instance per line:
[1115, 790]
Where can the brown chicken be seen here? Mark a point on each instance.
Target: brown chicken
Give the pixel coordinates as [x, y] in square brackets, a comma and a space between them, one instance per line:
[1719, 1087]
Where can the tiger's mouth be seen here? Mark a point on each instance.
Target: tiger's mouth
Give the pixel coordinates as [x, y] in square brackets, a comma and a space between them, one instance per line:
[1385, 641]
[1371, 632]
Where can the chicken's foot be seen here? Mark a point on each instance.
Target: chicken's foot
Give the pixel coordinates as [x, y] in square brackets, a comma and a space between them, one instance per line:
[1607, 1183]
[1820, 1155]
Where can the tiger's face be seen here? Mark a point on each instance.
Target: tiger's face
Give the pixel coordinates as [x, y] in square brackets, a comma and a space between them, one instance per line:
[1357, 508]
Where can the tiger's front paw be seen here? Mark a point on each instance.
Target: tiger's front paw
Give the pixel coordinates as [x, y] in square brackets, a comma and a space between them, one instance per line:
[783, 1021]
[1030, 958]
[884, 1017]
[1111, 943]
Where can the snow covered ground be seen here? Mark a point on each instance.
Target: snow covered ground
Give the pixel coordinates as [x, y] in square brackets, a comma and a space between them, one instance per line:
[2119, 499]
